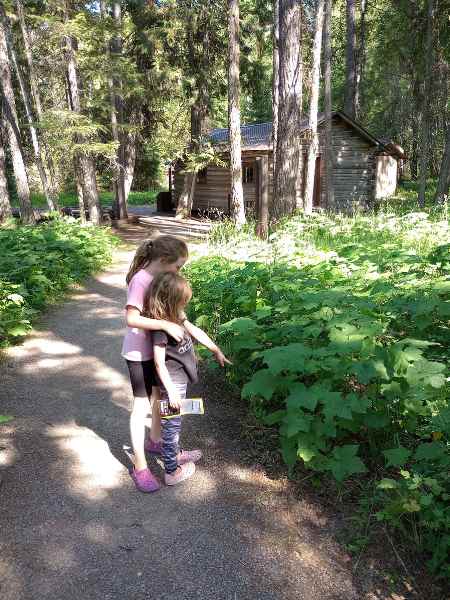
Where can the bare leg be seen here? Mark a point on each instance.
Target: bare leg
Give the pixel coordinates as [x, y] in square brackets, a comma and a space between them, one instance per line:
[141, 408]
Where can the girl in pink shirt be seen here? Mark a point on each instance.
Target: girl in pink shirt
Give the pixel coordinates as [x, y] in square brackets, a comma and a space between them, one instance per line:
[163, 254]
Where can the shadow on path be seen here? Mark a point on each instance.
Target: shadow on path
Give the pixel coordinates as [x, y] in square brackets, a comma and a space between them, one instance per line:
[72, 523]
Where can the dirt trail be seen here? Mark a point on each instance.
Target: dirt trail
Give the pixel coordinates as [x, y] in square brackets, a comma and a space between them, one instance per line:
[72, 523]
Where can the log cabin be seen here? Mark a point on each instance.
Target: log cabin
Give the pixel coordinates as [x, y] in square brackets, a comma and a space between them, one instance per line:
[365, 168]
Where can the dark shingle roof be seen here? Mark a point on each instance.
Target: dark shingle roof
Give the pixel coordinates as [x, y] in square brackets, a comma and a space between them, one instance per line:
[260, 134]
[252, 135]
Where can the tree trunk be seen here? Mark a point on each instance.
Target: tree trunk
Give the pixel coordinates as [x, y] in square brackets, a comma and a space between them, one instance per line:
[288, 151]
[79, 183]
[12, 127]
[130, 161]
[185, 201]
[234, 116]
[5, 205]
[89, 183]
[37, 99]
[275, 79]
[313, 148]
[28, 111]
[442, 191]
[329, 153]
[425, 125]
[350, 72]
[361, 58]
[117, 98]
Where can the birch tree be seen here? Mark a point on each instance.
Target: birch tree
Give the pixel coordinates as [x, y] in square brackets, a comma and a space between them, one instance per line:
[29, 114]
[234, 117]
[313, 148]
[288, 151]
[36, 97]
[12, 128]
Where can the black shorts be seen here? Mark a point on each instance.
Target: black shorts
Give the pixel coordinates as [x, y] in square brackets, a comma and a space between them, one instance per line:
[142, 377]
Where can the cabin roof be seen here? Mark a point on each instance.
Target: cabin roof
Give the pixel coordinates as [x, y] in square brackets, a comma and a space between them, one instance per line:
[259, 135]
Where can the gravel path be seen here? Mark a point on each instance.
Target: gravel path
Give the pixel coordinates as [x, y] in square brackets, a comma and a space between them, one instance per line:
[72, 523]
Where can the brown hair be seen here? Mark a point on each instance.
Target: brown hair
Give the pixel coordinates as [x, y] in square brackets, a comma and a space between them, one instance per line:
[166, 247]
[166, 298]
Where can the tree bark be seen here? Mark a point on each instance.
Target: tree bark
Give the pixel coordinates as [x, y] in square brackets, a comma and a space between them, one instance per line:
[130, 161]
[185, 200]
[275, 79]
[329, 153]
[79, 183]
[425, 125]
[288, 151]
[5, 205]
[88, 178]
[28, 111]
[117, 99]
[234, 115]
[313, 148]
[350, 72]
[442, 191]
[36, 98]
[361, 58]
[12, 127]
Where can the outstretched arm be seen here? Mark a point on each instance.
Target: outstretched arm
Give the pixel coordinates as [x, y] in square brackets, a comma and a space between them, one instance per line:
[135, 319]
[204, 339]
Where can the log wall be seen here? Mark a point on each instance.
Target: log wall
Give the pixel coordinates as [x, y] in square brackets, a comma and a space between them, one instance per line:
[354, 174]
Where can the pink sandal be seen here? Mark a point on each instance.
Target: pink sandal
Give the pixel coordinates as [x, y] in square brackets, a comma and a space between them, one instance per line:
[185, 456]
[145, 481]
[183, 472]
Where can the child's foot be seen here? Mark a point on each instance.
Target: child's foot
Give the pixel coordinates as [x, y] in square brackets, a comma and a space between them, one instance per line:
[189, 456]
[183, 472]
[145, 480]
[153, 447]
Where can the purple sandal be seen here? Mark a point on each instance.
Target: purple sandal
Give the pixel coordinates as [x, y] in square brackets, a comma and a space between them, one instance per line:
[153, 447]
[145, 480]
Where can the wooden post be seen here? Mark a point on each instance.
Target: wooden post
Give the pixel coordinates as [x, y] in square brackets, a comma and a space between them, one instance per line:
[262, 226]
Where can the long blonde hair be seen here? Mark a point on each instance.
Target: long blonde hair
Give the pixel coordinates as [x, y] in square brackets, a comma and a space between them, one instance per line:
[166, 247]
[166, 297]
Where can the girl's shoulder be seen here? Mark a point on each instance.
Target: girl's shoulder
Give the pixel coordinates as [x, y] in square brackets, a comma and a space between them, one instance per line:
[142, 277]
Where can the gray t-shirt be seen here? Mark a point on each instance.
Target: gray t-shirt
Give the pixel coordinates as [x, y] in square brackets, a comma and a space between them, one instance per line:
[181, 361]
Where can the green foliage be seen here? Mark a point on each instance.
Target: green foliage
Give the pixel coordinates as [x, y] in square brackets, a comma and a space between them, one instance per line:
[106, 199]
[39, 263]
[339, 335]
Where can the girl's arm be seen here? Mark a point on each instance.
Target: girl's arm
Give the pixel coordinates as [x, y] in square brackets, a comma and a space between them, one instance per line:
[159, 355]
[135, 319]
[204, 339]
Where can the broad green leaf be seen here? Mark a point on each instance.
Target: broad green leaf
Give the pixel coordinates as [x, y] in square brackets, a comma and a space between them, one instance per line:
[358, 404]
[263, 384]
[289, 451]
[306, 451]
[286, 358]
[376, 420]
[19, 330]
[344, 462]
[305, 397]
[275, 417]
[295, 422]
[336, 406]
[240, 325]
[397, 457]
[430, 451]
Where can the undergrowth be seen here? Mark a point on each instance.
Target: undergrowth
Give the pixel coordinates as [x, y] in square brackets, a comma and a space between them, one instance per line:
[338, 328]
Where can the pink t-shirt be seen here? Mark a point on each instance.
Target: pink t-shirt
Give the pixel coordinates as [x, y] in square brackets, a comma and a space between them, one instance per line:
[137, 344]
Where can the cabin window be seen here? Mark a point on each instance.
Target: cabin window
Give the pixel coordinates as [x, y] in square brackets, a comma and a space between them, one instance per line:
[201, 175]
[247, 174]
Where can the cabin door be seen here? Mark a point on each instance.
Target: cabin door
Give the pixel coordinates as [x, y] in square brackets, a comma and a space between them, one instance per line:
[249, 186]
